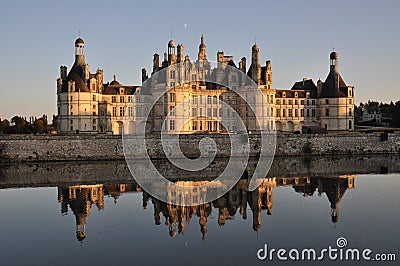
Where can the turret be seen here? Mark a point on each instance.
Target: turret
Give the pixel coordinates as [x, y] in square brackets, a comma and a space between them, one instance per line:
[79, 52]
[202, 50]
[171, 52]
[255, 68]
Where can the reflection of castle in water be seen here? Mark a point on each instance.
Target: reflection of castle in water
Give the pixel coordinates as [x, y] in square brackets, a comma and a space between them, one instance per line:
[81, 198]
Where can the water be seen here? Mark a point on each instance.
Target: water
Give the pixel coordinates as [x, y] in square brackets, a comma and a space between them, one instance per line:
[95, 214]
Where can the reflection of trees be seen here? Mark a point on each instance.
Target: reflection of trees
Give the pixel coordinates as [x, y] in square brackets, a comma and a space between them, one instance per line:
[236, 202]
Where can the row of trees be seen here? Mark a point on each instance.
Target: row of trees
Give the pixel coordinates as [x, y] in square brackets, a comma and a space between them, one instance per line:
[390, 111]
[20, 125]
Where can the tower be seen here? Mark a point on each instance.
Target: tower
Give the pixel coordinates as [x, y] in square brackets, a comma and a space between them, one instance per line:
[202, 50]
[334, 68]
[255, 68]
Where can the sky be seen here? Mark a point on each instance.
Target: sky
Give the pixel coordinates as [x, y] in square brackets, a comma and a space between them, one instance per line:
[37, 37]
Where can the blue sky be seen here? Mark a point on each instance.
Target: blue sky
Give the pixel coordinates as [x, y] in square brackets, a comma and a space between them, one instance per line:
[121, 37]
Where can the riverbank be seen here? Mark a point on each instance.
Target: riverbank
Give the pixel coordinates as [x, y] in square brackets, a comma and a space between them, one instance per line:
[42, 148]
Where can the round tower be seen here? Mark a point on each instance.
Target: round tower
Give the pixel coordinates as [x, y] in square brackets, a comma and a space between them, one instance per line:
[80, 52]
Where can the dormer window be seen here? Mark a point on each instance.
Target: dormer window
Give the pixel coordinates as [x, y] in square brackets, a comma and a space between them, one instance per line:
[284, 94]
[296, 95]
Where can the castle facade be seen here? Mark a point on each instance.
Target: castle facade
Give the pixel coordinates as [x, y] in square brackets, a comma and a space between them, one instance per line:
[88, 105]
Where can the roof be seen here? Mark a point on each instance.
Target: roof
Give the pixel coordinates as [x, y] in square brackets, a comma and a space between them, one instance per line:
[114, 90]
[79, 40]
[307, 85]
[329, 90]
[75, 74]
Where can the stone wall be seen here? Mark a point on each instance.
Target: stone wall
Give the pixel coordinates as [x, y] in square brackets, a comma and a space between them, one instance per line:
[32, 148]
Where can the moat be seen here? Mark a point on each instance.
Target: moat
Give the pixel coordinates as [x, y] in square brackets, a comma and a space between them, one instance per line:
[91, 213]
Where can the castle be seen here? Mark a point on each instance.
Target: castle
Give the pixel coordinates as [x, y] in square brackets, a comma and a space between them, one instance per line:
[87, 105]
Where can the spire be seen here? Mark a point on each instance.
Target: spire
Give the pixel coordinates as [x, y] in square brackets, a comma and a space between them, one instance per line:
[202, 49]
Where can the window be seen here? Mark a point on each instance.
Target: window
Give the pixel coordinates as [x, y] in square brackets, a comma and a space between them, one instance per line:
[350, 101]
[350, 112]
[308, 112]
[283, 101]
[326, 101]
[94, 127]
[233, 78]
[72, 121]
[278, 101]
[201, 112]
[94, 98]
[114, 111]
[313, 102]
[114, 99]
[326, 112]
[172, 74]
[350, 124]
[171, 124]
[194, 125]
[284, 112]
[208, 99]
[234, 100]
[94, 113]
[215, 112]
[94, 106]
[71, 106]
[209, 112]
[172, 84]
[129, 99]
[296, 112]
[209, 125]
[72, 128]
[302, 102]
[172, 97]
[130, 111]
[295, 102]
[301, 112]
[171, 111]
[71, 98]
[290, 102]
[121, 111]
[94, 121]
[220, 111]
[71, 113]
[201, 125]
[313, 112]
[278, 112]
[214, 99]
[194, 112]
[194, 77]
[121, 99]
[290, 112]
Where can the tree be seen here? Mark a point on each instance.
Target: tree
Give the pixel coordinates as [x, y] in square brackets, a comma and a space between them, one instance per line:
[55, 122]
[3, 125]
